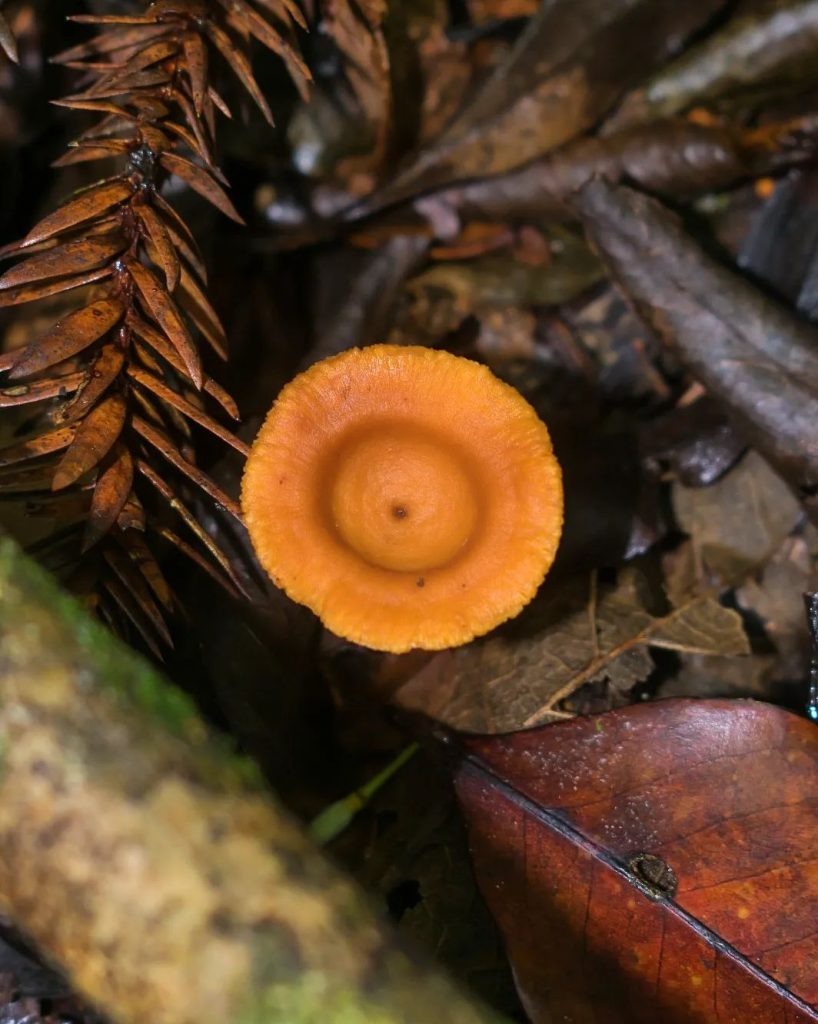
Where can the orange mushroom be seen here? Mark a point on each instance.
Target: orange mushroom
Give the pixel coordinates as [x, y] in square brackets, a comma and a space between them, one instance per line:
[406, 495]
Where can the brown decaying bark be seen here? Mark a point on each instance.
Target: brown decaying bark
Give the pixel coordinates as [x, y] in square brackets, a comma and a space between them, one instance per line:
[146, 859]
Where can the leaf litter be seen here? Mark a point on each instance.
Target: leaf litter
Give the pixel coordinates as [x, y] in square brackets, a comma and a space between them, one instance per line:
[611, 204]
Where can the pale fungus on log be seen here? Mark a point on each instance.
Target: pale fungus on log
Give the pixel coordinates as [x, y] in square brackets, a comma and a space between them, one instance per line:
[406, 495]
[150, 863]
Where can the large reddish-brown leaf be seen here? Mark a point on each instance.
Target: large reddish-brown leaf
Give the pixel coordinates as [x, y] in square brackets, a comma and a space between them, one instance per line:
[151, 54]
[72, 258]
[67, 337]
[164, 310]
[202, 182]
[95, 437]
[573, 827]
[111, 491]
[90, 203]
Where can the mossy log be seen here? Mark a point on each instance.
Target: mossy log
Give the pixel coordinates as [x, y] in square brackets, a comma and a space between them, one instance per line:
[153, 866]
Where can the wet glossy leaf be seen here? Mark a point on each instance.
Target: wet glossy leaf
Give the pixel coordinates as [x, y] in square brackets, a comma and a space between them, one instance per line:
[113, 19]
[99, 107]
[162, 347]
[573, 634]
[162, 307]
[72, 258]
[68, 337]
[196, 138]
[655, 863]
[181, 234]
[111, 491]
[89, 204]
[99, 150]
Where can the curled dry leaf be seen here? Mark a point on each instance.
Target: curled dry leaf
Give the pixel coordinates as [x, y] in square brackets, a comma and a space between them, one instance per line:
[737, 523]
[653, 863]
[764, 45]
[575, 633]
[752, 354]
[672, 157]
[571, 64]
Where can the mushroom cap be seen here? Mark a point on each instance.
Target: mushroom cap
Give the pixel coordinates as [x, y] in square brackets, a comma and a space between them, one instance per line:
[407, 496]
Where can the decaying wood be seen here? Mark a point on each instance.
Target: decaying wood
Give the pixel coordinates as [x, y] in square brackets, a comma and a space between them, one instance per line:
[148, 861]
